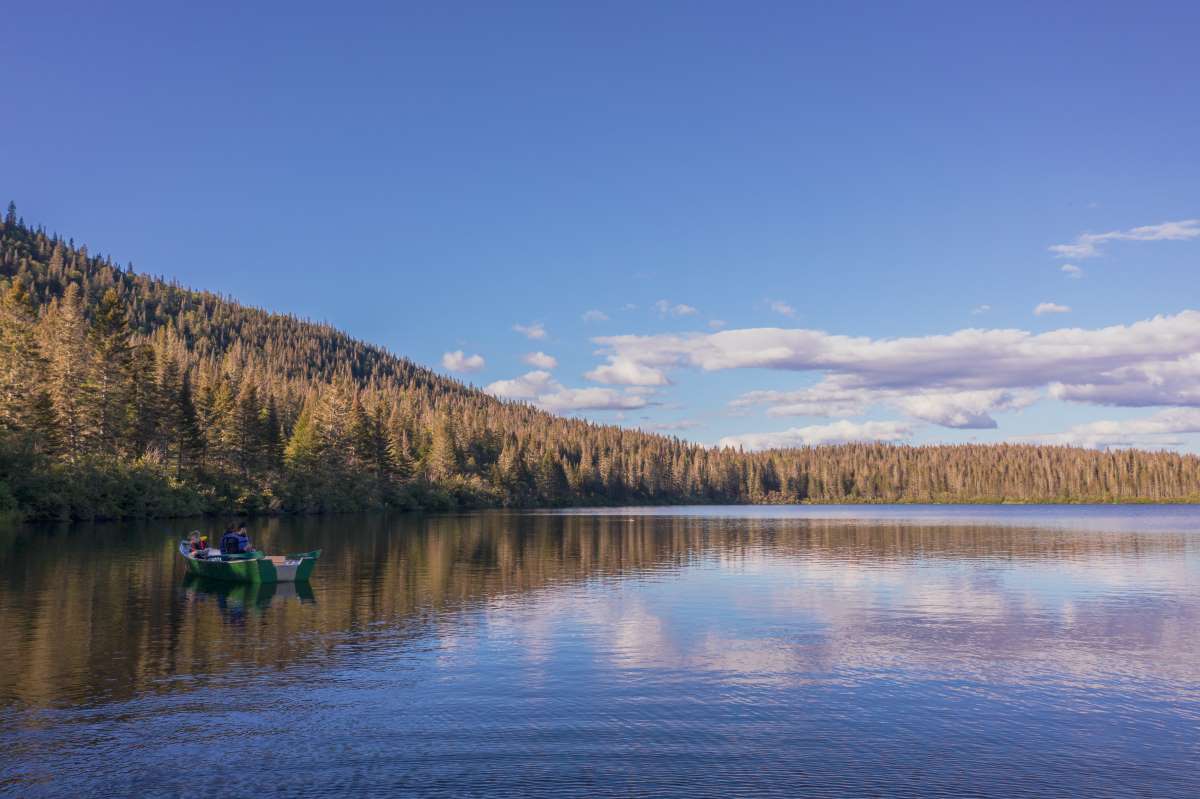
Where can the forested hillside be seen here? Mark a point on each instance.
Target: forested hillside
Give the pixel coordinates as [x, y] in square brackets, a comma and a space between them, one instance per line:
[124, 395]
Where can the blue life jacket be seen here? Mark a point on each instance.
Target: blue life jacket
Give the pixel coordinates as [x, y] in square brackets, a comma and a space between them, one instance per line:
[231, 544]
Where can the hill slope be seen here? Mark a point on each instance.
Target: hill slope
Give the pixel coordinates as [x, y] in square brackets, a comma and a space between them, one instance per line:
[122, 394]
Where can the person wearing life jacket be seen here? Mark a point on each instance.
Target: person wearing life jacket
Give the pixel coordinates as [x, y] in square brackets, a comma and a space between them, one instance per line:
[231, 542]
[244, 539]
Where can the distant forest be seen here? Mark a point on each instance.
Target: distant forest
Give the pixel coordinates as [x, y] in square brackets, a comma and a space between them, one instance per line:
[126, 395]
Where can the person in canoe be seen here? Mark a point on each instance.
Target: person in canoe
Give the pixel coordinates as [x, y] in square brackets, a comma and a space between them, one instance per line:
[233, 542]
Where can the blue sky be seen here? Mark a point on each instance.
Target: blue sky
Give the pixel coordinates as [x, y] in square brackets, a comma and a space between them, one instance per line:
[882, 176]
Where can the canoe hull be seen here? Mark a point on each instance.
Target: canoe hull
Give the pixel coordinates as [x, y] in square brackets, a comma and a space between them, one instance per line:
[260, 569]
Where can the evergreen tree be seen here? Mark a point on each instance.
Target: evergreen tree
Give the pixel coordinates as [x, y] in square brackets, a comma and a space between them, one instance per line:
[245, 434]
[21, 361]
[188, 438]
[109, 337]
[303, 459]
[43, 425]
[305, 447]
[442, 460]
[400, 460]
[551, 480]
[145, 404]
[69, 370]
[272, 435]
[216, 420]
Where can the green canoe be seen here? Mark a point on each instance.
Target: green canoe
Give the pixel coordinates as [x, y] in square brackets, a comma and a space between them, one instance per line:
[251, 567]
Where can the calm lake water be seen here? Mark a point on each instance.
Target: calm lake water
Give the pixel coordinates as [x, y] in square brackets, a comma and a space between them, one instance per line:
[847, 651]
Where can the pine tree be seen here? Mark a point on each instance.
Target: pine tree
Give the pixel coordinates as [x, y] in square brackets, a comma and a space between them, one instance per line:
[109, 336]
[304, 458]
[271, 430]
[216, 420]
[69, 370]
[21, 361]
[551, 480]
[442, 460]
[145, 405]
[400, 460]
[360, 435]
[401, 464]
[43, 425]
[188, 437]
[245, 435]
[305, 447]
[368, 436]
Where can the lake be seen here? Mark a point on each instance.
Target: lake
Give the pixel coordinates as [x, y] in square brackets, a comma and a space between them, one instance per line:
[787, 651]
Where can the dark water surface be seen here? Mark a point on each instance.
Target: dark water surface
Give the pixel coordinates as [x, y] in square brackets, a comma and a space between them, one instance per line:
[689, 652]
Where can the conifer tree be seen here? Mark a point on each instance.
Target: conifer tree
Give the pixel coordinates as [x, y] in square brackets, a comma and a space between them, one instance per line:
[305, 447]
[551, 480]
[43, 425]
[144, 404]
[303, 457]
[21, 361]
[442, 460]
[188, 437]
[272, 435]
[69, 370]
[245, 435]
[400, 460]
[112, 355]
[216, 421]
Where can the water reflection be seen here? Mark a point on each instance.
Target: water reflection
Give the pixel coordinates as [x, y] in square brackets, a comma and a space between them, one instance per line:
[831, 633]
[234, 600]
[99, 611]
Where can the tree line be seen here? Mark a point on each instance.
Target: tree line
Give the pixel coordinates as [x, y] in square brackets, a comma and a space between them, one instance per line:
[123, 394]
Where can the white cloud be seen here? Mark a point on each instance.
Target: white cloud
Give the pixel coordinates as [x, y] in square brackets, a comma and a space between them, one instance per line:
[1152, 432]
[1088, 245]
[588, 399]
[978, 309]
[1151, 362]
[1050, 307]
[626, 372]
[838, 432]
[680, 309]
[540, 359]
[541, 389]
[780, 307]
[457, 361]
[526, 387]
[595, 316]
[716, 324]
[964, 410]
[1150, 382]
[1071, 270]
[535, 331]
